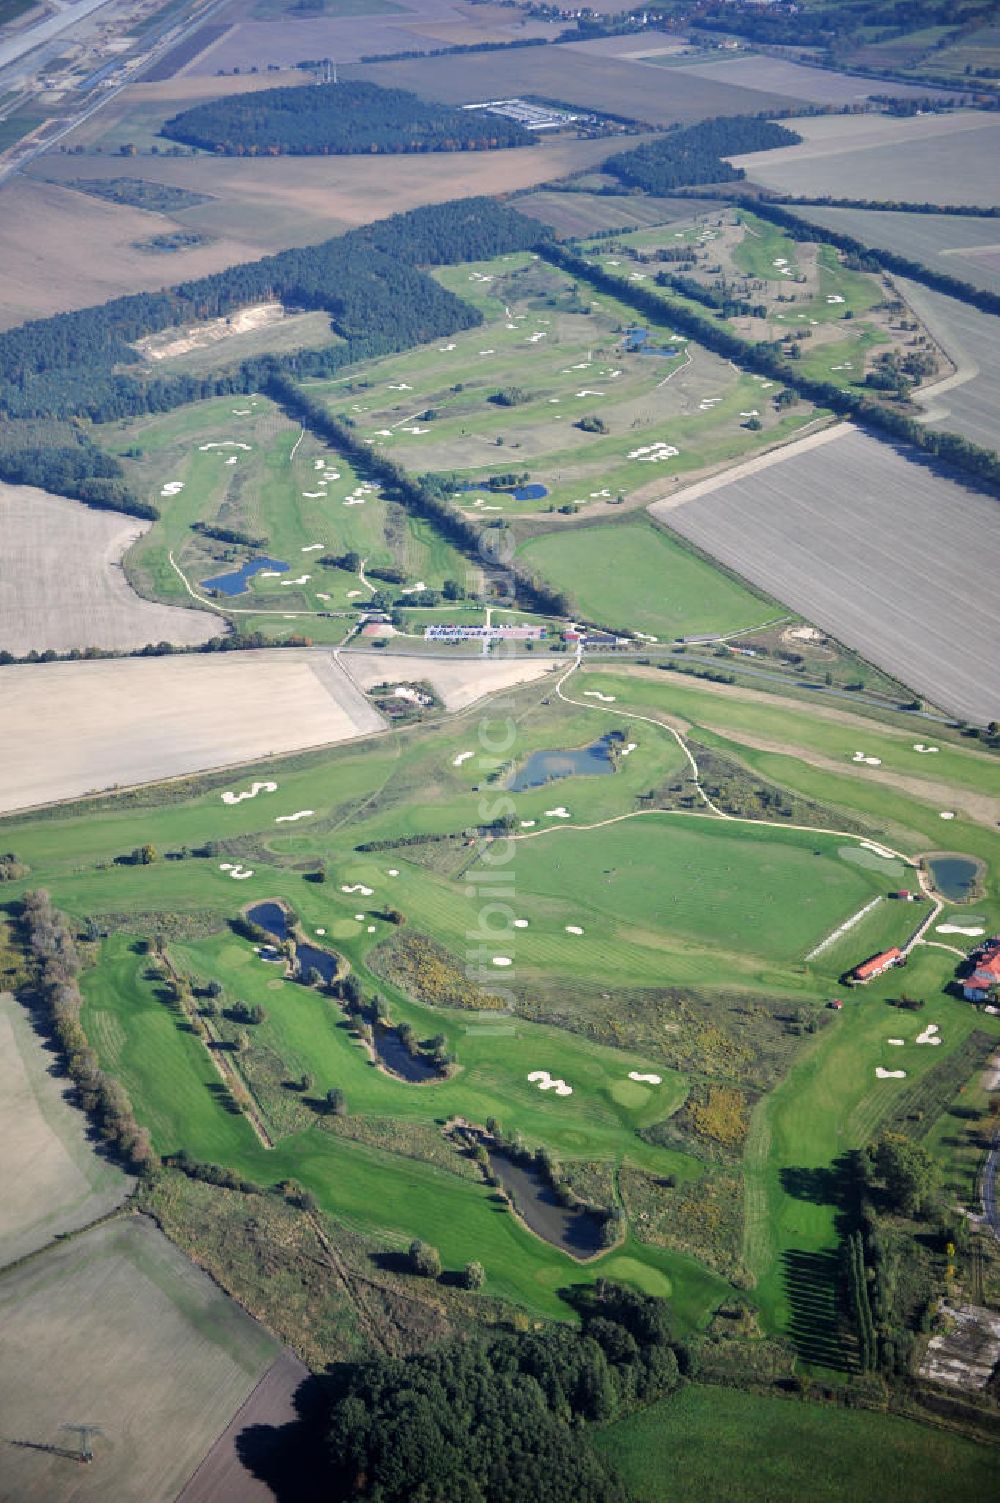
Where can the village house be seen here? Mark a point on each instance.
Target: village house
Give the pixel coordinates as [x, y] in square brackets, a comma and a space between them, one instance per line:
[869, 969]
[984, 980]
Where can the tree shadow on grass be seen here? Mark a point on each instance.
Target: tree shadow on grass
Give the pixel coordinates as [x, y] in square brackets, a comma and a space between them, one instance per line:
[813, 1287]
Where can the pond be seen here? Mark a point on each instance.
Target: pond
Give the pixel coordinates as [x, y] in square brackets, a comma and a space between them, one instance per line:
[273, 918]
[393, 1053]
[545, 766]
[573, 1230]
[955, 877]
[236, 582]
[532, 492]
[637, 343]
[269, 916]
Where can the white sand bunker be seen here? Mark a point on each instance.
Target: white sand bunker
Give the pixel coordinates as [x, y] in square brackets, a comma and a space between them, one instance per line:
[311, 547]
[520, 923]
[869, 761]
[947, 814]
[314, 495]
[527, 824]
[644, 1079]
[462, 757]
[359, 918]
[237, 872]
[502, 960]
[561, 813]
[606, 699]
[241, 412]
[302, 579]
[835, 297]
[172, 488]
[394, 871]
[228, 443]
[653, 453]
[371, 928]
[360, 887]
[929, 1036]
[959, 929]
[918, 746]
[545, 1082]
[631, 747]
[289, 819]
[573, 929]
[881, 1074]
[237, 798]
[231, 459]
[444, 348]
[321, 932]
[897, 1042]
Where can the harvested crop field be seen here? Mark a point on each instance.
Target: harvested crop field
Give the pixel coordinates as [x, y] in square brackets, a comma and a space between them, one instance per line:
[775, 75]
[587, 213]
[958, 245]
[969, 401]
[136, 720]
[572, 76]
[63, 582]
[117, 1329]
[894, 560]
[53, 1181]
[458, 681]
[944, 159]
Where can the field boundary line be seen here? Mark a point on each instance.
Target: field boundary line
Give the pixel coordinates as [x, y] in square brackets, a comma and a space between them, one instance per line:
[855, 918]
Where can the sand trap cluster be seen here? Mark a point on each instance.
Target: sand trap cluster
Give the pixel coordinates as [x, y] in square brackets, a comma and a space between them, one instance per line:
[559, 813]
[881, 1074]
[237, 872]
[545, 1082]
[973, 933]
[172, 488]
[918, 746]
[869, 761]
[930, 1035]
[653, 453]
[462, 757]
[289, 819]
[360, 887]
[229, 797]
[644, 1079]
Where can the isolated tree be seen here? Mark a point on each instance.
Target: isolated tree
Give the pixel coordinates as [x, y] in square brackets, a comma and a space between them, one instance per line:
[336, 1102]
[907, 1171]
[425, 1260]
[474, 1275]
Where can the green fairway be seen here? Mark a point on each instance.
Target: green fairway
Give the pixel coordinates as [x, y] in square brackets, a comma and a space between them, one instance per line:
[638, 577]
[748, 1448]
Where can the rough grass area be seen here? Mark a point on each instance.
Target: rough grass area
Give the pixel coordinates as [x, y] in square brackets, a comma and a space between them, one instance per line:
[714, 1442]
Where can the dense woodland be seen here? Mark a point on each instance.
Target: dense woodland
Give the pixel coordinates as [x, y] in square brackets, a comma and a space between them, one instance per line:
[685, 157]
[504, 1419]
[73, 467]
[338, 119]
[369, 281]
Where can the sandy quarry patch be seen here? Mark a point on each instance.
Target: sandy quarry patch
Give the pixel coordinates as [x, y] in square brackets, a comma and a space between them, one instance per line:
[457, 681]
[62, 584]
[68, 1185]
[170, 343]
[140, 719]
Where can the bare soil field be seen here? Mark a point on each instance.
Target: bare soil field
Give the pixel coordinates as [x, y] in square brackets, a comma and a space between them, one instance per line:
[136, 720]
[62, 584]
[459, 682]
[222, 1476]
[969, 401]
[62, 249]
[587, 213]
[572, 76]
[778, 76]
[963, 247]
[53, 1180]
[118, 1329]
[945, 159]
[874, 547]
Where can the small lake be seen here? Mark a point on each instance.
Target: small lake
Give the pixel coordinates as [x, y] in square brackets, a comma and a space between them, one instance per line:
[532, 492]
[393, 1053]
[272, 917]
[954, 877]
[238, 581]
[637, 343]
[545, 766]
[573, 1230]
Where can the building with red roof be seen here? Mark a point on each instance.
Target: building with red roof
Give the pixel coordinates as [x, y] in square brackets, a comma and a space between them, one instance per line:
[869, 969]
[985, 977]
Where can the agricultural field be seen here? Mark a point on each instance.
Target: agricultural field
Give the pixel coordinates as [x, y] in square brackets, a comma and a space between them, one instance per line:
[724, 1444]
[881, 571]
[774, 75]
[943, 159]
[801, 293]
[585, 212]
[958, 245]
[638, 578]
[119, 1326]
[510, 396]
[55, 1182]
[52, 604]
[966, 403]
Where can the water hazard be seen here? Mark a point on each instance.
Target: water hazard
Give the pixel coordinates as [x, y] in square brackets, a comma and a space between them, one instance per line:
[573, 1229]
[637, 343]
[545, 766]
[238, 581]
[955, 877]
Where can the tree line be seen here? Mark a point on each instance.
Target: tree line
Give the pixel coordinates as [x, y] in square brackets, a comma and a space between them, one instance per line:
[982, 465]
[695, 154]
[78, 469]
[337, 119]
[503, 1418]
